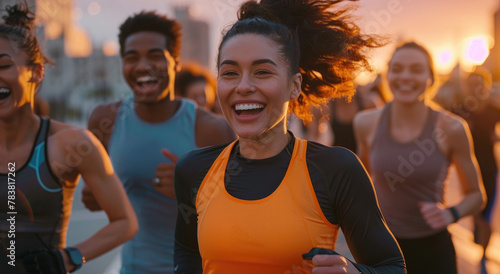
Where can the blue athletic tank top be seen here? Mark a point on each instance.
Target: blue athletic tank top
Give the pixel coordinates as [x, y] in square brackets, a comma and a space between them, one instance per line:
[135, 151]
[39, 216]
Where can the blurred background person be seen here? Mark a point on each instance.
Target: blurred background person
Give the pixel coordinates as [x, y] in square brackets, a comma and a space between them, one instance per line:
[449, 94]
[333, 125]
[407, 147]
[196, 83]
[146, 132]
[377, 91]
[482, 117]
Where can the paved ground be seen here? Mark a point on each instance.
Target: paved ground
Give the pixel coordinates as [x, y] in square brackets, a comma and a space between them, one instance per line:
[83, 224]
[469, 254]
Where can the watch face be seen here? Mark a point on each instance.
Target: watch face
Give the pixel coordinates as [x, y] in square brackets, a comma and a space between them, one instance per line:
[75, 256]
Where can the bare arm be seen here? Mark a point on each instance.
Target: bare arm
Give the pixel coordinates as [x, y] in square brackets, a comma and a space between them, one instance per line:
[462, 155]
[456, 139]
[364, 124]
[99, 176]
[101, 123]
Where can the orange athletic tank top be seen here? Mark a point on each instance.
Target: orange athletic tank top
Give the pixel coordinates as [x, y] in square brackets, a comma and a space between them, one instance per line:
[261, 236]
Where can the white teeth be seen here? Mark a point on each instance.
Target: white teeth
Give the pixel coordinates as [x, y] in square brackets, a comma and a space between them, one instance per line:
[4, 90]
[144, 79]
[406, 87]
[248, 106]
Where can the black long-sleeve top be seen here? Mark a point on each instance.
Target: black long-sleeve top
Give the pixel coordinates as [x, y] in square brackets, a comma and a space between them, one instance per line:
[341, 184]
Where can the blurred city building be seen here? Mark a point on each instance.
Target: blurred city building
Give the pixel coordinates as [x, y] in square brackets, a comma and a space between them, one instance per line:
[76, 85]
[195, 36]
[492, 63]
[83, 76]
[86, 75]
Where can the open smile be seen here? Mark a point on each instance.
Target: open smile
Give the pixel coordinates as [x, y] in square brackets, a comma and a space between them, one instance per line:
[147, 84]
[248, 109]
[4, 93]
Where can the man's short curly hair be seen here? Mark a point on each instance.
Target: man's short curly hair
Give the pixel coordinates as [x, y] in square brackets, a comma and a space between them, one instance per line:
[152, 21]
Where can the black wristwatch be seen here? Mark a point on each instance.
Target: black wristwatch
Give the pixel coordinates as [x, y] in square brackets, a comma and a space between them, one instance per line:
[75, 257]
[455, 213]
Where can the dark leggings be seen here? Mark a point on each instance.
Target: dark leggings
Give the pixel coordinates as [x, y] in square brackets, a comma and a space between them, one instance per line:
[432, 254]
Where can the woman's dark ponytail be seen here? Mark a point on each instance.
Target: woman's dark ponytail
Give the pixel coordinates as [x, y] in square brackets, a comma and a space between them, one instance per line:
[331, 48]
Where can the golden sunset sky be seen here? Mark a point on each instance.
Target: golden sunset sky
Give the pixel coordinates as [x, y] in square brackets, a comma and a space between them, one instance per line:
[446, 27]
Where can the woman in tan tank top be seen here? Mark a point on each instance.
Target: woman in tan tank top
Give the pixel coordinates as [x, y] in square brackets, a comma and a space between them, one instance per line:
[407, 147]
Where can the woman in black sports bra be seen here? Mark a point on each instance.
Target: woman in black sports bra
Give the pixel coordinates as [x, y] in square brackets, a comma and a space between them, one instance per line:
[40, 165]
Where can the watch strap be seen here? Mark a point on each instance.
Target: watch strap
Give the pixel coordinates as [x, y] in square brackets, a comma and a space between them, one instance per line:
[75, 253]
[455, 213]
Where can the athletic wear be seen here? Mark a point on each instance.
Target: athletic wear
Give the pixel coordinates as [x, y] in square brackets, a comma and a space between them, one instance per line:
[405, 174]
[249, 244]
[135, 151]
[336, 191]
[430, 255]
[41, 205]
[482, 125]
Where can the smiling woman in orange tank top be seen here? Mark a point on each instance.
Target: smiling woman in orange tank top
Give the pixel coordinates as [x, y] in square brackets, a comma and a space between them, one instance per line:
[258, 204]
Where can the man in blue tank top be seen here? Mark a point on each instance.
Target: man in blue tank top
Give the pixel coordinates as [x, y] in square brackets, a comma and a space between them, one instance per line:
[145, 134]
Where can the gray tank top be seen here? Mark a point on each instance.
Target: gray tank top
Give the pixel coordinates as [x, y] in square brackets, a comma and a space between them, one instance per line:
[405, 174]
